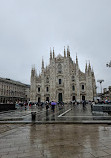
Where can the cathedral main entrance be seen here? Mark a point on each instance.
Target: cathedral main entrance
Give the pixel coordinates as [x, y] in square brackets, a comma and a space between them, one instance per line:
[60, 97]
[47, 99]
[83, 97]
[38, 99]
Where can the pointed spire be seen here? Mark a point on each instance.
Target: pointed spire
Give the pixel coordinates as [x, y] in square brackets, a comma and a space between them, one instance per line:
[89, 69]
[77, 65]
[50, 53]
[53, 53]
[68, 51]
[42, 63]
[64, 52]
[92, 72]
[89, 66]
[33, 71]
[76, 59]
[86, 66]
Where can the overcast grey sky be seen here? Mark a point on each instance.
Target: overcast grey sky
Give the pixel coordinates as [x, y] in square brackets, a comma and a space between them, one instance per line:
[28, 28]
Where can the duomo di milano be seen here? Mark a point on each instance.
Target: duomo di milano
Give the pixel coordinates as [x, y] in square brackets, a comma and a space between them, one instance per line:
[62, 80]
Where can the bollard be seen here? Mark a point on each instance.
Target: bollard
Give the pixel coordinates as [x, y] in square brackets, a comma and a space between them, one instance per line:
[33, 116]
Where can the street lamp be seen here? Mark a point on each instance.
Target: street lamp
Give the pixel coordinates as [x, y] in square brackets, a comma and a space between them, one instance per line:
[96, 91]
[108, 64]
[100, 81]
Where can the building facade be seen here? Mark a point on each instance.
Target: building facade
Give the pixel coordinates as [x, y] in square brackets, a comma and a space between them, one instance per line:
[12, 91]
[62, 80]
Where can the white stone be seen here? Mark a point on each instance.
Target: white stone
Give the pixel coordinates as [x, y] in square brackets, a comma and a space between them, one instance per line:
[56, 81]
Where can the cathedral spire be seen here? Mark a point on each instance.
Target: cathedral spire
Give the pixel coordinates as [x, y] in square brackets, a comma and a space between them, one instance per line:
[86, 66]
[42, 63]
[76, 59]
[46, 67]
[77, 65]
[33, 72]
[50, 53]
[89, 66]
[64, 52]
[68, 51]
[53, 53]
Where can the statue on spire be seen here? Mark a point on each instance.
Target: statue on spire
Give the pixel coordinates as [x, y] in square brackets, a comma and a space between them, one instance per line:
[53, 53]
[76, 59]
[42, 63]
[68, 51]
[86, 66]
[64, 52]
[50, 53]
[89, 66]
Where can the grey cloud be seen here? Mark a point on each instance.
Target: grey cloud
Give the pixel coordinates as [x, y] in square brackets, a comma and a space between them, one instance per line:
[29, 28]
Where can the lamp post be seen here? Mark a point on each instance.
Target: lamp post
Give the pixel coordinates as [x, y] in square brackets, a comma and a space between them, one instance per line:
[96, 91]
[100, 81]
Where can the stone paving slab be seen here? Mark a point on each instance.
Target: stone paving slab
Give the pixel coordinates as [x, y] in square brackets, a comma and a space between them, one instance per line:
[55, 141]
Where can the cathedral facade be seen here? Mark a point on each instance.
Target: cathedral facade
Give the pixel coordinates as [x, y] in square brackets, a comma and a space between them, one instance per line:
[62, 80]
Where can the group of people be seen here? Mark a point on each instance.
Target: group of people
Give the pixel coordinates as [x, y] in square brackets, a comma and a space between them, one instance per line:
[52, 104]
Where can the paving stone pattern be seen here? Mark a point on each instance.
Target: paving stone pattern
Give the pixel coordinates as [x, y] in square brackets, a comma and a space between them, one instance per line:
[55, 141]
[7, 127]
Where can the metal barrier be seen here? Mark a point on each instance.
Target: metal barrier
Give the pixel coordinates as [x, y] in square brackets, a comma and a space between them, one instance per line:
[105, 107]
[6, 107]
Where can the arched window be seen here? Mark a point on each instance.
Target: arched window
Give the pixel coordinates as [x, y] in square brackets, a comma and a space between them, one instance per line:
[59, 68]
[47, 89]
[72, 78]
[82, 87]
[73, 88]
[39, 100]
[73, 98]
[60, 81]
[83, 97]
[38, 89]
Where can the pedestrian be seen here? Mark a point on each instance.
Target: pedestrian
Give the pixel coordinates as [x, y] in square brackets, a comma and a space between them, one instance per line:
[84, 103]
[53, 105]
[47, 105]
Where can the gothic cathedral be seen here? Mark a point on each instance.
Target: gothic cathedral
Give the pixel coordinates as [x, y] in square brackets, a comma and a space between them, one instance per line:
[62, 80]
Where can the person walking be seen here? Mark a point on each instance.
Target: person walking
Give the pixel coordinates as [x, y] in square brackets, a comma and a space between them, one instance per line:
[53, 105]
[47, 105]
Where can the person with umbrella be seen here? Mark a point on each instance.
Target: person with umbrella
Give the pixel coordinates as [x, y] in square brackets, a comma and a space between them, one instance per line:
[53, 105]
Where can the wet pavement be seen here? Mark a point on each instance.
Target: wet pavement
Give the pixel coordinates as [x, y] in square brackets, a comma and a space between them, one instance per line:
[62, 114]
[55, 141]
[55, 134]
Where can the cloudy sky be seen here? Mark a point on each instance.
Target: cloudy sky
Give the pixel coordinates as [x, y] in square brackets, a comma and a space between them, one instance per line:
[28, 28]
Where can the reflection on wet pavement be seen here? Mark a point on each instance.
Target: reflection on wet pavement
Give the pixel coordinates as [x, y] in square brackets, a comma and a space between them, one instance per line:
[64, 113]
[56, 141]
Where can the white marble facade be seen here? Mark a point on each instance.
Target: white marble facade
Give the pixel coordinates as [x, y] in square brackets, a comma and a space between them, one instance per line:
[62, 80]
